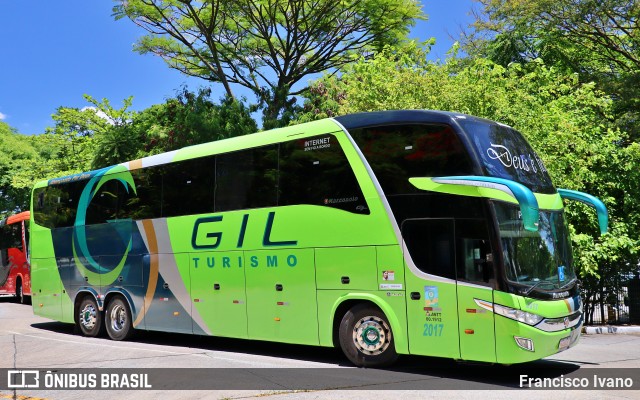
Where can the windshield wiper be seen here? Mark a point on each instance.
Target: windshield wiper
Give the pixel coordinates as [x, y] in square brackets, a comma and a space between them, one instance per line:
[571, 282]
[535, 285]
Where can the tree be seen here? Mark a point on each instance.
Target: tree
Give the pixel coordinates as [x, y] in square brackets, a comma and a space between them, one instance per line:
[92, 136]
[563, 119]
[267, 46]
[599, 39]
[188, 119]
[16, 155]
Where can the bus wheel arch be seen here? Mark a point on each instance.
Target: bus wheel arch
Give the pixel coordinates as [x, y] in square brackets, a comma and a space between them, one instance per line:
[118, 318]
[88, 316]
[364, 334]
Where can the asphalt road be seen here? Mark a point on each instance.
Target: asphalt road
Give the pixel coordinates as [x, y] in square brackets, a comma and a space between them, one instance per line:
[239, 369]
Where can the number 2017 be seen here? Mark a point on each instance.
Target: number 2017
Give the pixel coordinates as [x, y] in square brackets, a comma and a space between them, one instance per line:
[433, 329]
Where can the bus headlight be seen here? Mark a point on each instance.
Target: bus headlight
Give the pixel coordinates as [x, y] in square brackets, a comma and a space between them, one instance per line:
[517, 315]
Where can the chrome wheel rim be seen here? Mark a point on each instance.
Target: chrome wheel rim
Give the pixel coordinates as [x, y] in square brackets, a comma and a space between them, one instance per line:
[118, 318]
[88, 316]
[371, 335]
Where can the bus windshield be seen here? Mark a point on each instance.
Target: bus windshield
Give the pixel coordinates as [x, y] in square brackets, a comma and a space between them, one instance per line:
[539, 260]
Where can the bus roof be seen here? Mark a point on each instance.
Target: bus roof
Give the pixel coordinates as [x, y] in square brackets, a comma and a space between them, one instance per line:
[273, 136]
[381, 118]
[328, 125]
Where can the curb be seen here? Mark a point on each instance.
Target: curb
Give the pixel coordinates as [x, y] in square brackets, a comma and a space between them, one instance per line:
[609, 329]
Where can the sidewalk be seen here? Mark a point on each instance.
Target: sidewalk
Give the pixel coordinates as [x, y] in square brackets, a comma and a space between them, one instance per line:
[611, 329]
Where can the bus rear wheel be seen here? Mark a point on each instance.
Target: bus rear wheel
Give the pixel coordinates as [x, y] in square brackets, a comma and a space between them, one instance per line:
[366, 338]
[118, 319]
[90, 317]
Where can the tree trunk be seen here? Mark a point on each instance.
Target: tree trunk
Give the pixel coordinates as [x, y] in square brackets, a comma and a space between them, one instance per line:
[277, 105]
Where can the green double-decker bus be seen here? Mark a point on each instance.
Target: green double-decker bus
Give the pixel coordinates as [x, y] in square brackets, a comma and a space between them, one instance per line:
[385, 233]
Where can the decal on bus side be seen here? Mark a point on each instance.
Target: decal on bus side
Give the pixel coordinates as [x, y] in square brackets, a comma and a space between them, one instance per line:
[270, 261]
[266, 239]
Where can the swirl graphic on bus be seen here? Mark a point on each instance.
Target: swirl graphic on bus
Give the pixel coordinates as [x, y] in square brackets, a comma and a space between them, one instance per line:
[521, 162]
[95, 273]
[503, 155]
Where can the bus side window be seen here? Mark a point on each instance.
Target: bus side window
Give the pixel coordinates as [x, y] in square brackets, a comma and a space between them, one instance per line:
[146, 202]
[247, 179]
[188, 187]
[104, 204]
[431, 245]
[474, 251]
[316, 171]
[399, 152]
[40, 210]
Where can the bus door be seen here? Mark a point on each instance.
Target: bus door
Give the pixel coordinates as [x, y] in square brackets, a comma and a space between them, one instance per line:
[444, 308]
[432, 305]
[475, 278]
[7, 252]
[26, 284]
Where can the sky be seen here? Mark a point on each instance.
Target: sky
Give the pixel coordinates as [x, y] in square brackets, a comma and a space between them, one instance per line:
[53, 52]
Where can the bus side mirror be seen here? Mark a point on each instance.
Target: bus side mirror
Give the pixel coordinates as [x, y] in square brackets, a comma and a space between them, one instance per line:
[601, 209]
[488, 187]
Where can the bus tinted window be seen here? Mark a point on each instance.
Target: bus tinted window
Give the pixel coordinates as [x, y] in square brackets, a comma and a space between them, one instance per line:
[431, 244]
[11, 236]
[189, 187]
[316, 171]
[146, 201]
[474, 249]
[247, 179]
[399, 152]
[306, 171]
[104, 204]
[55, 206]
[41, 208]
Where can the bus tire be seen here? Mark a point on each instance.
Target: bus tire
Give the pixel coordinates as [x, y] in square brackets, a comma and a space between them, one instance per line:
[90, 317]
[366, 338]
[117, 319]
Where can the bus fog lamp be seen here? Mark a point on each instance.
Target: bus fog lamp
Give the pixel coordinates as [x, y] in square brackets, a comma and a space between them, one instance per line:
[524, 343]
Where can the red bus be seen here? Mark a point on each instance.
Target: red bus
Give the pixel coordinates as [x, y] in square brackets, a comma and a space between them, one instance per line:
[15, 276]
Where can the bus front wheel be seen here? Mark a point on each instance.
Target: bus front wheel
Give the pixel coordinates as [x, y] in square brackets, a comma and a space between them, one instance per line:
[89, 317]
[366, 338]
[118, 319]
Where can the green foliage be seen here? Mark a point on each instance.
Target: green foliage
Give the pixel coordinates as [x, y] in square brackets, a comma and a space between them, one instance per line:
[598, 39]
[267, 46]
[566, 121]
[89, 137]
[188, 119]
[100, 135]
[16, 156]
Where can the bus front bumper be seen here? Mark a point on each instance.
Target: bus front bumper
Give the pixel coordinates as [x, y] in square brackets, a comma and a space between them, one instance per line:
[517, 342]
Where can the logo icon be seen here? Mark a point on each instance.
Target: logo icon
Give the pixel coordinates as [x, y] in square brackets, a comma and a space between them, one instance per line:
[18, 379]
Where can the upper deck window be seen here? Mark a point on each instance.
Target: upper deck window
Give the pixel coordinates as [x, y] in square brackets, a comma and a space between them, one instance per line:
[313, 171]
[399, 152]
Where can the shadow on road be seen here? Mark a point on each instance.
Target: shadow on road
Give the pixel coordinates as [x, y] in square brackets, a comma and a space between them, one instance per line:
[409, 370]
[13, 299]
